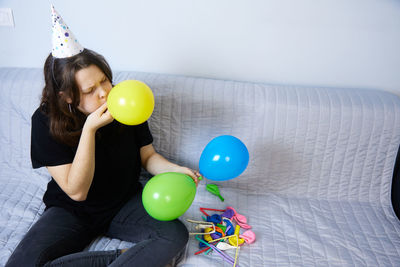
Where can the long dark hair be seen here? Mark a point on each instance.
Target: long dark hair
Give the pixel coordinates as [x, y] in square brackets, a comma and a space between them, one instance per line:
[66, 121]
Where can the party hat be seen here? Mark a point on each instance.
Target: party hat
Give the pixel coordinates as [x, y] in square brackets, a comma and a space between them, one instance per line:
[64, 42]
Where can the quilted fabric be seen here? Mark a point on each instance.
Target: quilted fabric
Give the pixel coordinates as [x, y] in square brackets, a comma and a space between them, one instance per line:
[317, 188]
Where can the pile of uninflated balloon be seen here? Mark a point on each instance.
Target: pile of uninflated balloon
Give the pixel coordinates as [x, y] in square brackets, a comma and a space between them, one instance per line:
[167, 196]
[220, 232]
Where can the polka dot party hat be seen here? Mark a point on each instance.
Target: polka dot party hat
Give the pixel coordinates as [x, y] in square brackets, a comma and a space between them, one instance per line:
[64, 42]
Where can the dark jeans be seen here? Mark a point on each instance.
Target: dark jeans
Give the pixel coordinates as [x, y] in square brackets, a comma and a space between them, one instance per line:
[58, 238]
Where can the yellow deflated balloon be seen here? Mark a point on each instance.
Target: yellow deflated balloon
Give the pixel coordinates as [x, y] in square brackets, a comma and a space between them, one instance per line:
[131, 102]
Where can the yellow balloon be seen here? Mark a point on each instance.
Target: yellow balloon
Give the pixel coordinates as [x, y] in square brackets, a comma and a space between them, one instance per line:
[131, 102]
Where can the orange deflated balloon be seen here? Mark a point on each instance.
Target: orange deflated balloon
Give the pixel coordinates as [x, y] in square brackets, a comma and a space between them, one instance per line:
[131, 102]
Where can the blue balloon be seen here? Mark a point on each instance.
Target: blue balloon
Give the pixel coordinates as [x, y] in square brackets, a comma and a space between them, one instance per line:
[224, 158]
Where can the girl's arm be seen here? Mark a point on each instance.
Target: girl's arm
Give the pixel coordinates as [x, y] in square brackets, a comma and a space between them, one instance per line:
[154, 163]
[76, 178]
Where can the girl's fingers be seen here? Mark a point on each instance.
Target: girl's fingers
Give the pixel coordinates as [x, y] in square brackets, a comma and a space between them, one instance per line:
[195, 175]
[192, 173]
[100, 110]
[108, 116]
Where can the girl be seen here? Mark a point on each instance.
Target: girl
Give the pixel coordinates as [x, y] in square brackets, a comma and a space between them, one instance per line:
[95, 163]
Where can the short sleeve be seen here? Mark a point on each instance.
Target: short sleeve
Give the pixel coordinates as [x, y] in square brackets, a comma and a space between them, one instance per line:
[45, 150]
[143, 134]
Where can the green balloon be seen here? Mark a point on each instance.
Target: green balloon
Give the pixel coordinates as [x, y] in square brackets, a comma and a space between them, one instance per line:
[168, 195]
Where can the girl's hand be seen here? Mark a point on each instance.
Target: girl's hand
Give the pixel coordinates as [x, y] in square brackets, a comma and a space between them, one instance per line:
[99, 118]
[192, 173]
[155, 164]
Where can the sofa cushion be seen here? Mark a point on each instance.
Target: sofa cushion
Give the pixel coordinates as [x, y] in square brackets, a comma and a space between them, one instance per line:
[317, 188]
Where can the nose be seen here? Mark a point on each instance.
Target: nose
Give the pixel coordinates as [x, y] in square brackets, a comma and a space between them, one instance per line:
[103, 92]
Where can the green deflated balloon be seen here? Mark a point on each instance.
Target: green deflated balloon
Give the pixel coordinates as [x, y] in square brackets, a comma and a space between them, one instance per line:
[168, 195]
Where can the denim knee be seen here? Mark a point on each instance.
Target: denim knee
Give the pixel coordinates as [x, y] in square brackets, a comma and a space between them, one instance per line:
[177, 232]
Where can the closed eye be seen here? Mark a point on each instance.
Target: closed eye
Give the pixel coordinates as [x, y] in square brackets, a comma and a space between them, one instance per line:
[92, 89]
[89, 91]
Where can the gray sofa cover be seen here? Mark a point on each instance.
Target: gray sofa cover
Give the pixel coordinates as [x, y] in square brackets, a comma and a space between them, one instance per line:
[317, 188]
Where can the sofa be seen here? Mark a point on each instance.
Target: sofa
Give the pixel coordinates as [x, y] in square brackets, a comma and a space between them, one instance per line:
[317, 190]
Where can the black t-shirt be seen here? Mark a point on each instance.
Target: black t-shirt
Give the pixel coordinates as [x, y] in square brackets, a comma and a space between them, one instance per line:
[117, 167]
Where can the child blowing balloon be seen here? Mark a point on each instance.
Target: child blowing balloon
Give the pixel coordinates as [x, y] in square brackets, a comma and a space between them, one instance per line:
[95, 163]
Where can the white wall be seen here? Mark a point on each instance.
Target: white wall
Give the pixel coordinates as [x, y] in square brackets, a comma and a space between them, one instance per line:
[337, 43]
